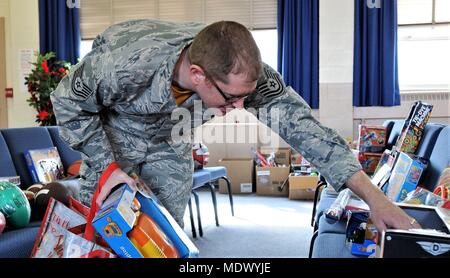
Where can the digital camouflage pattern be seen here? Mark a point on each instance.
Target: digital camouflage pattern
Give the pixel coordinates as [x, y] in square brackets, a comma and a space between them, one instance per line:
[116, 105]
[320, 145]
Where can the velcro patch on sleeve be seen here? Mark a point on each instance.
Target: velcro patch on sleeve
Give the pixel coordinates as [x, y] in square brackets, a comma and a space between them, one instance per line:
[79, 88]
[272, 85]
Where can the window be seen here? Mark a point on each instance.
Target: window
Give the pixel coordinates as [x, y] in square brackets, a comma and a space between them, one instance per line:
[85, 47]
[424, 57]
[267, 41]
[97, 15]
[423, 45]
[415, 12]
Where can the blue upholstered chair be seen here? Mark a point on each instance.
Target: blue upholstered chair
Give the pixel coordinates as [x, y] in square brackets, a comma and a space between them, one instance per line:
[20, 140]
[6, 164]
[206, 177]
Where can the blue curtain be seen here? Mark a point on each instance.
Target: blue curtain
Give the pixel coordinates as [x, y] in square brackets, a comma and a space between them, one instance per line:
[298, 47]
[59, 29]
[375, 69]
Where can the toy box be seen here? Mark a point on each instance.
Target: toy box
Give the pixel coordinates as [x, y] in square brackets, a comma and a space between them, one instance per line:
[432, 241]
[135, 225]
[44, 165]
[369, 161]
[412, 130]
[404, 177]
[372, 139]
[387, 157]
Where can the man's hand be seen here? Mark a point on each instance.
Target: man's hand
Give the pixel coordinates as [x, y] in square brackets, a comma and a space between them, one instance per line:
[384, 213]
[115, 178]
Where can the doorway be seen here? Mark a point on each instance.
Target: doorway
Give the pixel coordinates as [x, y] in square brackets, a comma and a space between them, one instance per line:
[3, 104]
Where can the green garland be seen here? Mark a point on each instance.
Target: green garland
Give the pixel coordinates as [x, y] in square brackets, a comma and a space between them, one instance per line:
[41, 82]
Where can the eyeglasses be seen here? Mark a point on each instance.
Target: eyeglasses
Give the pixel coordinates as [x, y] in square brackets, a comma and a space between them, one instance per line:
[228, 99]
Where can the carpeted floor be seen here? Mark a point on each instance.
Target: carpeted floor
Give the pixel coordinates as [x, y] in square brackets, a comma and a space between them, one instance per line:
[263, 227]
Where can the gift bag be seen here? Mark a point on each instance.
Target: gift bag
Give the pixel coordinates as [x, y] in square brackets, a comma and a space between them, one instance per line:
[63, 234]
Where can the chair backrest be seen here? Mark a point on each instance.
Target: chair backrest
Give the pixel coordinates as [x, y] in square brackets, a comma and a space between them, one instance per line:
[68, 155]
[394, 133]
[388, 124]
[439, 160]
[428, 140]
[20, 140]
[6, 164]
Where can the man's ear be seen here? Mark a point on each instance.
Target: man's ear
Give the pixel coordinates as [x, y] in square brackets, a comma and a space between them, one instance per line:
[196, 74]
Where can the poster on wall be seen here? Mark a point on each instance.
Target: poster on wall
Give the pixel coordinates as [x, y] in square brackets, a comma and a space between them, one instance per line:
[26, 60]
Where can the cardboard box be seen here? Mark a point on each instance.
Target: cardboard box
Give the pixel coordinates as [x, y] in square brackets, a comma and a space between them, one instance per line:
[117, 217]
[270, 179]
[240, 175]
[369, 161]
[302, 187]
[372, 139]
[404, 177]
[282, 155]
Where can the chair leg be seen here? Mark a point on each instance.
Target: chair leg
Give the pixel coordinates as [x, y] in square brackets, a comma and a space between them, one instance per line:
[311, 244]
[197, 204]
[213, 196]
[230, 195]
[191, 216]
[316, 199]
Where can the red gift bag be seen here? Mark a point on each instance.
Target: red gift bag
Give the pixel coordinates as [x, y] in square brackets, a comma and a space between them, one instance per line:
[63, 235]
[68, 233]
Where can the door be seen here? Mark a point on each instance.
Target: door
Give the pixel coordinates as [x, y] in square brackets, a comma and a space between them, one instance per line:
[3, 106]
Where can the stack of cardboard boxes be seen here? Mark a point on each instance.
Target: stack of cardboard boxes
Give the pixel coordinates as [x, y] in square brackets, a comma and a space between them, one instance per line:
[232, 141]
[273, 181]
[303, 179]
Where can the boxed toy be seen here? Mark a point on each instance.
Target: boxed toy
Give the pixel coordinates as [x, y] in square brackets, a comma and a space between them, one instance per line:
[44, 165]
[135, 225]
[369, 161]
[412, 130]
[372, 139]
[387, 157]
[404, 177]
[432, 241]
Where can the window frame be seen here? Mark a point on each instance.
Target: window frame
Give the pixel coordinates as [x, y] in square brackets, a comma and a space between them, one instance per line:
[433, 18]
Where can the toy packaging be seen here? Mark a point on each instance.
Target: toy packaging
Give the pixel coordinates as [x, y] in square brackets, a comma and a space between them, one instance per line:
[135, 225]
[432, 241]
[421, 196]
[44, 165]
[356, 226]
[369, 161]
[387, 157]
[372, 139]
[411, 134]
[404, 177]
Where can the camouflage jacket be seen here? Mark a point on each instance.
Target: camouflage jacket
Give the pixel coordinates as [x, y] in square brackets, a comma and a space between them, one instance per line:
[124, 84]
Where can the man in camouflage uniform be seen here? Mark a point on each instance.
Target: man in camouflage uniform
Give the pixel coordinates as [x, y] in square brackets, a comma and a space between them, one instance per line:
[115, 108]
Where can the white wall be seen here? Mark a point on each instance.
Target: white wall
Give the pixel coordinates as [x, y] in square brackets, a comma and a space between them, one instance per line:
[22, 32]
[336, 65]
[336, 77]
